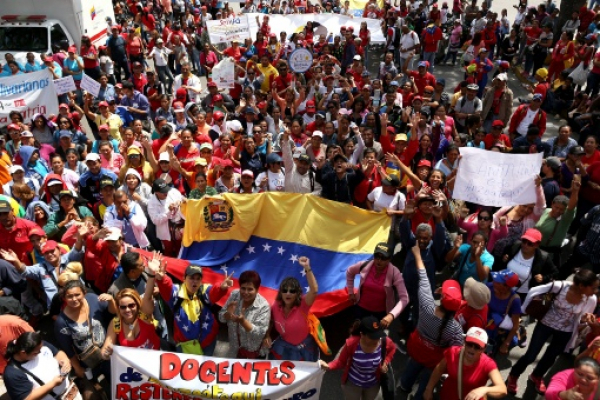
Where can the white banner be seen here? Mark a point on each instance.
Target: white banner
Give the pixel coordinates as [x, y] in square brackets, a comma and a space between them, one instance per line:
[223, 73]
[226, 30]
[143, 374]
[29, 94]
[496, 179]
[65, 85]
[332, 22]
[90, 85]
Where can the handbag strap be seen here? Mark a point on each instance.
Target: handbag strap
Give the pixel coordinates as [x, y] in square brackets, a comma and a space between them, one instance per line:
[514, 296]
[460, 372]
[35, 378]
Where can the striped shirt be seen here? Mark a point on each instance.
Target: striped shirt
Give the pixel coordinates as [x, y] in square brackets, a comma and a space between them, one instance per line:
[364, 366]
[429, 324]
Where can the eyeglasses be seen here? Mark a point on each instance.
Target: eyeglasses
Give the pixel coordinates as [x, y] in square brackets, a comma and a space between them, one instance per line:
[485, 218]
[380, 257]
[287, 290]
[527, 242]
[131, 306]
[474, 346]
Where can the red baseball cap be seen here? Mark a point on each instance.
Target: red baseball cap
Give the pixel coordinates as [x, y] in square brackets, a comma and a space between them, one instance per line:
[424, 163]
[50, 245]
[227, 163]
[211, 84]
[36, 231]
[451, 295]
[218, 115]
[310, 105]
[103, 104]
[104, 128]
[262, 104]
[13, 127]
[498, 123]
[63, 105]
[533, 235]
[217, 97]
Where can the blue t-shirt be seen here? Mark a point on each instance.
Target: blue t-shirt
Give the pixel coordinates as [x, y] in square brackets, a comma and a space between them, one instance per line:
[468, 268]
[74, 67]
[497, 307]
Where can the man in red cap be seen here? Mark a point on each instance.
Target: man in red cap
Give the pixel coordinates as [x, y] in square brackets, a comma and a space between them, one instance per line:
[282, 81]
[213, 90]
[104, 117]
[496, 136]
[421, 77]
[138, 78]
[14, 232]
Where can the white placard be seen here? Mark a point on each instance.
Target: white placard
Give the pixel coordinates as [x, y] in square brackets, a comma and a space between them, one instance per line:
[223, 73]
[300, 60]
[90, 85]
[496, 179]
[65, 85]
[28, 94]
[226, 30]
[333, 22]
[175, 375]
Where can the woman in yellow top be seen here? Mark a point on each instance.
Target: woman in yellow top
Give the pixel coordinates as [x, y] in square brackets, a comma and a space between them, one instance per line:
[135, 160]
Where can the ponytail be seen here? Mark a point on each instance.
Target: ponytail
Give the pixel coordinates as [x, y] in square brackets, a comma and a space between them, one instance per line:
[27, 342]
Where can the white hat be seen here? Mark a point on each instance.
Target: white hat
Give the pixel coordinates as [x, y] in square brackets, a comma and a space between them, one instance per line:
[318, 134]
[164, 156]
[234, 125]
[477, 336]
[502, 77]
[15, 168]
[92, 157]
[26, 134]
[54, 182]
[357, 58]
[115, 234]
[298, 151]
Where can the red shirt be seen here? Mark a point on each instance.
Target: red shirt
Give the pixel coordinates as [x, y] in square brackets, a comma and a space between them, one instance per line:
[89, 51]
[146, 338]
[431, 39]
[134, 46]
[373, 298]
[594, 158]
[139, 82]
[469, 317]
[157, 144]
[281, 83]
[587, 192]
[236, 52]
[490, 140]
[473, 376]
[17, 239]
[188, 157]
[107, 265]
[422, 80]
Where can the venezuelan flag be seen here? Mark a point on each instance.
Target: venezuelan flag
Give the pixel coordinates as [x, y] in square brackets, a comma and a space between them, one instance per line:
[357, 7]
[268, 232]
[93, 13]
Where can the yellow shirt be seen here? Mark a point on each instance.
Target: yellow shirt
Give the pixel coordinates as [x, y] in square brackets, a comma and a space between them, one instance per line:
[114, 123]
[267, 73]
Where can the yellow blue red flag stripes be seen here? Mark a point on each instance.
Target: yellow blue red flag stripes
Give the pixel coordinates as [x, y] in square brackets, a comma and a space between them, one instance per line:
[268, 232]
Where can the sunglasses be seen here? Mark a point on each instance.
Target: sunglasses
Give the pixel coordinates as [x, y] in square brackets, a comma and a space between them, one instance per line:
[485, 218]
[474, 346]
[380, 257]
[286, 291]
[131, 306]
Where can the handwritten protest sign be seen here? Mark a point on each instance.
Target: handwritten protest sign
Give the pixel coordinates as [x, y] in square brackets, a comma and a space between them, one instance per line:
[223, 73]
[64, 85]
[226, 30]
[90, 85]
[496, 179]
[141, 374]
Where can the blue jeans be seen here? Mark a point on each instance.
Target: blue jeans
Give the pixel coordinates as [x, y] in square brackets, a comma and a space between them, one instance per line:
[429, 56]
[541, 333]
[413, 372]
[593, 80]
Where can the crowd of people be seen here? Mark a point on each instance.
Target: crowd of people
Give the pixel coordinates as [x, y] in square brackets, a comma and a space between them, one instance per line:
[78, 198]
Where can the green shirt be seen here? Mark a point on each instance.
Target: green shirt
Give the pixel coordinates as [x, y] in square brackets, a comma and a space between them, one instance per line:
[554, 231]
[196, 194]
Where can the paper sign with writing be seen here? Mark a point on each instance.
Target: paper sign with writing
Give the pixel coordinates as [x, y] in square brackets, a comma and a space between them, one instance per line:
[496, 179]
[223, 74]
[64, 85]
[227, 30]
[90, 85]
[141, 374]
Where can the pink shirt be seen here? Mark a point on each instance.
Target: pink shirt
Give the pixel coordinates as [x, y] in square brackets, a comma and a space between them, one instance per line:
[117, 161]
[373, 298]
[563, 380]
[293, 328]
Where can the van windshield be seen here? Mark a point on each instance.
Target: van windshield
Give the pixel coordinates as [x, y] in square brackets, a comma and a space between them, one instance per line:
[23, 38]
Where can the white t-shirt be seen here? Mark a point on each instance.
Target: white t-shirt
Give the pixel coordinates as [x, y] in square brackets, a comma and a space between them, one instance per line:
[46, 368]
[382, 201]
[527, 120]
[407, 41]
[276, 181]
[522, 268]
[109, 67]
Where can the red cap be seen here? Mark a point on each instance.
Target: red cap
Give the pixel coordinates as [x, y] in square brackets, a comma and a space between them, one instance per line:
[417, 98]
[498, 123]
[203, 8]
[36, 231]
[351, 29]
[103, 104]
[451, 295]
[227, 163]
[424, 163]
[14, 127]
[48, 59]
[50, 245]
[63, 105]
[103, 127]
[119, 85]
[180, 93]
[310, 105]
[217, 97]
[72, 49]
[533, 235]
[217, 115]
[342, 28]
[272, 34]
[178, 105]
[212, 84]
[391, 129]
[262, 104]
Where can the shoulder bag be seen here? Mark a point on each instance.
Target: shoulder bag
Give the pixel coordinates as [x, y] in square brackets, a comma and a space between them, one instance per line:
[539, 306]
[92, 355]
[69, 394]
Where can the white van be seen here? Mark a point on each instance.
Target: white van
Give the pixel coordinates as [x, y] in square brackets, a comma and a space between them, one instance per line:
[34, 25]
